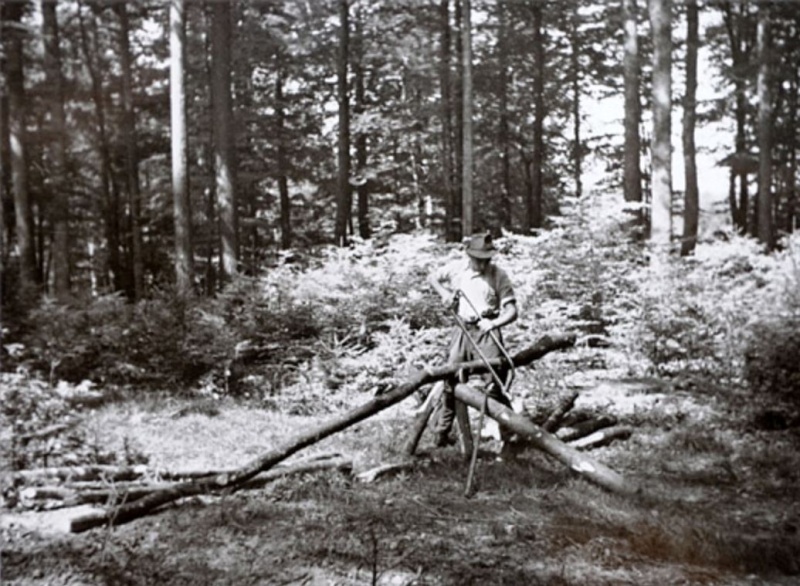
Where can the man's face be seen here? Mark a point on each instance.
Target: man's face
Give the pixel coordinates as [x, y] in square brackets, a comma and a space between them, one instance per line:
[478, 264]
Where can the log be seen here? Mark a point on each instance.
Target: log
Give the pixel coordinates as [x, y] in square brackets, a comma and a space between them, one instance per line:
[602, 437]
[374, 473]
[72, 497]
[565, 403]
[545, 441]
[143, 506]
[579, 430]
[421, 420]
[77, 473]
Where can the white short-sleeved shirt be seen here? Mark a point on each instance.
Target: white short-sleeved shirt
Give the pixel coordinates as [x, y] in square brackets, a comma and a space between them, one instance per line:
[488, 292]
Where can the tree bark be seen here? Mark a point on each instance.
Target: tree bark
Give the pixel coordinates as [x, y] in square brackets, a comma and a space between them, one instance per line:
[233, 479]
[59, 212]
[18, 145]
[283, 163]
[504, 130]
[184, 262]
[535, 202]
[451, 210]
[467, 211]
[691, 212]
[343, 197]
[129, 137]
[577, 151]
[661, 174]
[223, 138]
[111, 212]
[547, 442]
[632, 182]
[458, 109]
[362, 189]
[765, 122]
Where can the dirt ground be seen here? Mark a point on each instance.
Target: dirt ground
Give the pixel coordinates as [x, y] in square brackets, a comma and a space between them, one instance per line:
[719, 505]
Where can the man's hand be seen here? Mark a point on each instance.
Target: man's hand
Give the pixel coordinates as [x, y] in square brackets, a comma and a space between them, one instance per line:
[486, 325]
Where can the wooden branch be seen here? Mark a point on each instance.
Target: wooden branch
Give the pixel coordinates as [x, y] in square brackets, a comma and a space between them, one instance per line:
[48, 431]
[568, 434]
[602, 437]
[145, 505]
[565, 403]
[128, 493]
[374, 473]
[77, 473]
[548, 443]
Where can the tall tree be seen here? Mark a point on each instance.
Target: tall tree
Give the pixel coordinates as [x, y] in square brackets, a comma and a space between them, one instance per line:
[362, 189]
[534, 217]
[661, 182]
[223, 129]
[740, 39]
[765, 122]
[108, 196]
[184, 262]
[575, 48]
[504, 130]
[467, 211]
[129, 137]
[59, 212]
[632, 182]
[451, 215]
[691, 210]
[26, 250]
[343, 198]
[282, 159]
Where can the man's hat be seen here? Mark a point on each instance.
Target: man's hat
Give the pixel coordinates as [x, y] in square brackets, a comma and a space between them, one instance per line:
[480, 246]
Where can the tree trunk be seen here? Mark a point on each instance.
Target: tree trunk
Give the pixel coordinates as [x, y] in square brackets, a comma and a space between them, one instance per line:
[236, 478]
[223, 138]
[504, 130]
[467, 196]
[283, 164]
[458, 108]
[765, 122]
[451, 214]
[739, 52]
[632, 182]
[547, 442]
[661, 173]
[361, 139]
[343, 197]
[535, 202]
[59, 210]
[111, 213]
[691, 212]
[577, 152]
[184, 263]
[26, 246]
[129, 138]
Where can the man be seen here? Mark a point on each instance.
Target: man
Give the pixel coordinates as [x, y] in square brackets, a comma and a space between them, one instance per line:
[489, 290]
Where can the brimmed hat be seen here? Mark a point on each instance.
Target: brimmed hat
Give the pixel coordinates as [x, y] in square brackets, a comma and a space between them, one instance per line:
[480, 246]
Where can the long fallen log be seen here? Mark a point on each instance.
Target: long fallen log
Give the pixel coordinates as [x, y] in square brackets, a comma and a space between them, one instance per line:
[143, 506]
[76, 473]
[114, 495]
[584, 428]
[602, 437]
[598, 473]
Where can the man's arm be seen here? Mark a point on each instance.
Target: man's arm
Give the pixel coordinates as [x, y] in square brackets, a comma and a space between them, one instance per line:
[508, 314]
[443, 292]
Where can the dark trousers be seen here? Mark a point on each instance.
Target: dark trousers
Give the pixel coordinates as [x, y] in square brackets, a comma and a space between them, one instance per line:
[462, 350]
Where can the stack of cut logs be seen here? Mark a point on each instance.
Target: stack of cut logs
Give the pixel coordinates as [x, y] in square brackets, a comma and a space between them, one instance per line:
[580, 428]
[69, 486]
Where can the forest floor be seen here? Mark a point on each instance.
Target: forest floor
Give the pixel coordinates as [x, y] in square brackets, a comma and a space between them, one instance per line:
[720, 504]
[719, 465]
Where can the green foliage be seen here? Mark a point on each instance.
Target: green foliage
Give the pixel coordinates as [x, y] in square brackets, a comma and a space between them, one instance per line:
[40, 425]
[773, 347]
